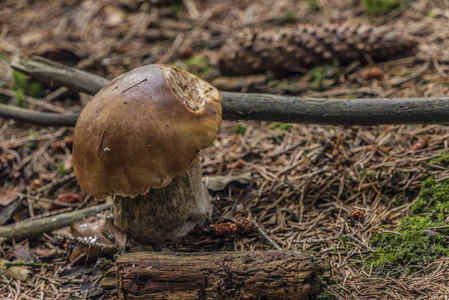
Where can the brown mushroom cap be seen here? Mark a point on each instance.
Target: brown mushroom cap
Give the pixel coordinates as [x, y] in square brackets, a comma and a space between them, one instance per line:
[143, 129]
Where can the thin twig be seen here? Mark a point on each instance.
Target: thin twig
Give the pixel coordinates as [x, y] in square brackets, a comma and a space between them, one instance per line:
[45, 200]
[419, 72]
[36, 102]
[55, 183]
[266, 237]
[140, 23]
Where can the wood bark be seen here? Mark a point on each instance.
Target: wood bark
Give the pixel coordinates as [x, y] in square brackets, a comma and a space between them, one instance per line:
[165, 214]
[219, 275]
[261, 107]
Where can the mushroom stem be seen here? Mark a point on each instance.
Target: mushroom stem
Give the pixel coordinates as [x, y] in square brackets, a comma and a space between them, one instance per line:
[165, 214]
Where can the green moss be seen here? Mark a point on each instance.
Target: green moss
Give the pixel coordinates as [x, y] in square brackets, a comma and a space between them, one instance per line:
[23, 86]
[4, 56]
[196, 65]
[20, 80]
[240, 129]
[324, 296]
[380, 7]
[281, 126]
[320, 73]
[415, 242]
[290, 16]
[405, 73]
[61, 169]
[441, 160]
[19, 96]
[313, 5]
[32, 133]
[178, 9]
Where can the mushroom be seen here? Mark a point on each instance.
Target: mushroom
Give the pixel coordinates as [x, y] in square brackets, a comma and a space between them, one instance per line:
[138, 140]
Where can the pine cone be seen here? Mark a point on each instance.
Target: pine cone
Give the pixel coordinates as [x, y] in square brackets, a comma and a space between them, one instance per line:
[294, 49]
[245, 226]
[222, 229]
[356, 215]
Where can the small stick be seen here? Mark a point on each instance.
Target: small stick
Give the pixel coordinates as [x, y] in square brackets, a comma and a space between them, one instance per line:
[419, 72]
[266, 237]
[24, 263]
[19, 142]
[6, 286]
[55, 94]
[351, 236]
[45, 200]
[34, 228]
[37, 102]
[142, 22]
[56, 182]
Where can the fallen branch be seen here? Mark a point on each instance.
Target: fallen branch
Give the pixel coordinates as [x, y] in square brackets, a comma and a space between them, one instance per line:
[34, 228]
[241, 106]
[37, 117]
[60, 75]
[219, 275]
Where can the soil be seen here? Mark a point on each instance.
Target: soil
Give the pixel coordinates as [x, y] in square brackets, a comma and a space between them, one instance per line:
[327, 189]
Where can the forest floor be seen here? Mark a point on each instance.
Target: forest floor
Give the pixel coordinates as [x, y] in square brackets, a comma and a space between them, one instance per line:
[343, 192]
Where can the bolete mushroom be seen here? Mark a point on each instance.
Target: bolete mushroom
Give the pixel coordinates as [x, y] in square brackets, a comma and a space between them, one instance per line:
[138, 140]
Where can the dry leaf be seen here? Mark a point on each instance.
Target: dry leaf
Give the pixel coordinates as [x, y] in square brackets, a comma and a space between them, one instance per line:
[238, 164]
[420, 144]
[58, 146]
[114, 16]
[68, 141]
[93, 242]
[22, 253]
[218, 183]
[372, 73]
[68, 199]
[9, 160]
[43, 252]
[36, 184]
[185, 52]
[9, 194]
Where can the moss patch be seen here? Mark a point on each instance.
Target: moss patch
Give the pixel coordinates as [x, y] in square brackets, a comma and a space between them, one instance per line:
[415, 242]
[280, 126]
[380, 7]
[196, 65]
[441, 160]
[23, 86]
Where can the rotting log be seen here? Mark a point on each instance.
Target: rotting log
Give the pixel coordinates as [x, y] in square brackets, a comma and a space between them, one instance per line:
[218, 275]
[245, 106]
